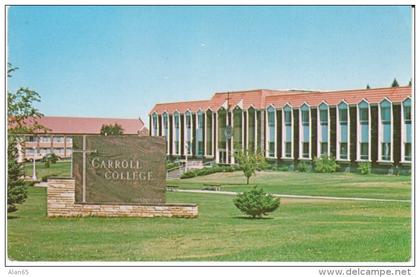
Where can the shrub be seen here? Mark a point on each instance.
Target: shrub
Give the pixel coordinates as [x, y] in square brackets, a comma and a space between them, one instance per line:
[189, 174]
[256, 202]
[45, 178]
[304, 167]
[47, 164]
[365, 168]
[170, 165]
[52, 158]
[283, 168]
[326, 164]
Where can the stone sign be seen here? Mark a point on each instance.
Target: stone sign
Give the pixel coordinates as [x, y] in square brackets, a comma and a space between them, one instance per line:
[119, 169]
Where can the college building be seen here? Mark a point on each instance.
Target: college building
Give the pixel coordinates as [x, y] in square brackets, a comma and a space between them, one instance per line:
[289, 126]
[58, 138]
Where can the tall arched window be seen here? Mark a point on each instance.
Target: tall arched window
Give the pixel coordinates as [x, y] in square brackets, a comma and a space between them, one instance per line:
[363, 134]
[237, 129]
[251, 129]
[209, 133]
[165, 126]
[305, 133]
[385, 130]
[287, 132]
[343, 131]
[323, 130]
[271, 135]
[155, 124]
[199, 134]
[406, 131]
[176, 145]
[188, 133]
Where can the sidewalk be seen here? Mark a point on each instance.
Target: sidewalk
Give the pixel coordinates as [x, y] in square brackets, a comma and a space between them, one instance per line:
[300, 196]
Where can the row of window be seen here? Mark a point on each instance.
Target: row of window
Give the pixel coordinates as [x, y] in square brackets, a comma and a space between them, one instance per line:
[188, 117]
[45, 151]
[47, 139]
[385, 131]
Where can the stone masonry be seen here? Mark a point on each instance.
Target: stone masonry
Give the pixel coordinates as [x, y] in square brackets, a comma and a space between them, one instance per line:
[61, 202]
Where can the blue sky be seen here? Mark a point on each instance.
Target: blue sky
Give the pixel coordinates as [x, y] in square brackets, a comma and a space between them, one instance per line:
[120, 61]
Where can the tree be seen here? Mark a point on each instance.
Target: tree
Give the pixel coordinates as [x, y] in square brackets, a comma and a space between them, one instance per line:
[111, 129]
[249, 163]
[395, 83]
[409, 83]
[16, 186]
[256, 202]
[21, 119]
[367, 86]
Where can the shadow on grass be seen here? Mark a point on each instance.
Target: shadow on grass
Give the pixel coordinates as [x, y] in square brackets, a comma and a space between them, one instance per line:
[253, 218]
[12, 217]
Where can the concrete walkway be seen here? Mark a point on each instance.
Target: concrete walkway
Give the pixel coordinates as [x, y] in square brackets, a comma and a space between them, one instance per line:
[299, 196]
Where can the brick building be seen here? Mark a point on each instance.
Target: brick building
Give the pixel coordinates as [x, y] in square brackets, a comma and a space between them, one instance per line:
[290, 126]
[58, 138]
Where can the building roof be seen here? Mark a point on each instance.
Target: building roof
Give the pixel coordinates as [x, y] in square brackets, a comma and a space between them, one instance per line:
[262, 98]
[351, 97]
[89, 125]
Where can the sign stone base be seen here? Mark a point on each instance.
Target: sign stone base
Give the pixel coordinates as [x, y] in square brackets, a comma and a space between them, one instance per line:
[61, 203]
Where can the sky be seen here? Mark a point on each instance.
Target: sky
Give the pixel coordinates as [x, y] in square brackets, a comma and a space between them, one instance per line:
[108, 61]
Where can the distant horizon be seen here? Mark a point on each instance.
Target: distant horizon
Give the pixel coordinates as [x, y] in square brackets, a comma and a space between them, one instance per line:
[119, 61]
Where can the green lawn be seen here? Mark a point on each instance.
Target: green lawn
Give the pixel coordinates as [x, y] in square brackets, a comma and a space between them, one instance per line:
[320, 184]
[61, 168]
[300, 230]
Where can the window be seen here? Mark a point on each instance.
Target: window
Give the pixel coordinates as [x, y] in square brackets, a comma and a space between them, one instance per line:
[323, 130]
[58, 139]
[209, 132]
[188, 133]
[385, 135]
[271, 121]
[69, 140]
[199, 134]
[45, 139]
[251, 130]
[363, 131]
[177, 133]
[343, 131]
[406, 130]
[287, 132]
[155, 125]
[166, 129]
[221, 138]
[237, 129]
[305, 138]
[165, 125]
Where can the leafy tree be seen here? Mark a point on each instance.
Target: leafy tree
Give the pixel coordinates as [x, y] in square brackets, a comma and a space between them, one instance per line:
[51, 158]
[409, 83]
[21, 119]
[111, 129]
[256, 202]
[395, 83]
[16, 186]
[249, 163]
[367, 86]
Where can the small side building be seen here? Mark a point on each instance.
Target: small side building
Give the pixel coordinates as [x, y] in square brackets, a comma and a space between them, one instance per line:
[61, 129]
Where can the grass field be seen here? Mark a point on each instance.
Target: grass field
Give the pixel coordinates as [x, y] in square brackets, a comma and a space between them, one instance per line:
[317, 184]
[300, 230]
[60, 168]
